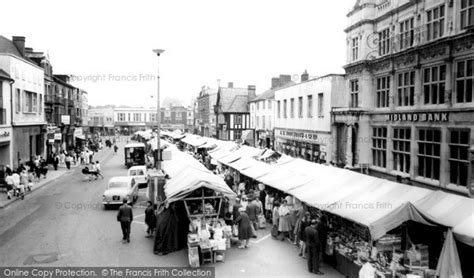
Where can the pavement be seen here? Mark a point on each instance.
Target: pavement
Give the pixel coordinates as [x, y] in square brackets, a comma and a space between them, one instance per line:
[65, 225]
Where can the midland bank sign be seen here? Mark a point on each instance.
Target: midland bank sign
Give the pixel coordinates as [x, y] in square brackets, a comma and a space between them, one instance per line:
[418, 117]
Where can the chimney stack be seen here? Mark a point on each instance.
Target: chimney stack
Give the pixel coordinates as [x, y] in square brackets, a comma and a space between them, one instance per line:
[304, 76]
[230, 85]
[275, 82]
[285, 79]
[251, 92]
[19, 42]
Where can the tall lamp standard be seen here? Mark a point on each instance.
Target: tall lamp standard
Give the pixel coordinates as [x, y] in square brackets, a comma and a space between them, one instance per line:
[158, 52]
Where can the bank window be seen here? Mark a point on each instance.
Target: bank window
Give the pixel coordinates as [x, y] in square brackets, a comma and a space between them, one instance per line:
[383, 91]
[300, 107]
[464, 80]
[278, 109]
[406, 89]
[18, 101]
[459, 157]
[320, 105]
[310, 106]
[354, 91]
[401, 149]
[292, 108]
[434, 80]
[384, 42]
[355, 49]
[285, 109]
[407, 33]
[429, 152]
[435, 23]
[379, 146]
[467, 13]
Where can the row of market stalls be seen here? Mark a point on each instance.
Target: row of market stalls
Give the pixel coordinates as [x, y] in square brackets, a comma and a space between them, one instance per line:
[369, 212]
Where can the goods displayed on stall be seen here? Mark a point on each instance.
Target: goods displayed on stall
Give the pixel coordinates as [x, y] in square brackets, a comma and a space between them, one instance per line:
[209, 236]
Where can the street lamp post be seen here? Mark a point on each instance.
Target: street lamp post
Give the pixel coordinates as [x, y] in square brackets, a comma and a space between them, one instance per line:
[158, 52]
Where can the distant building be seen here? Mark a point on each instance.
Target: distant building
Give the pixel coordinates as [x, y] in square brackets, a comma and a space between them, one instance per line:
[24, 136]
[101, 120]
[303, 117]
[262, 113]
[205, 116]
[233, 115]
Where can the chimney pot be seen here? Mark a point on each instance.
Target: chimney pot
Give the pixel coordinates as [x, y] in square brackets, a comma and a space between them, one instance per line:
[305, 76]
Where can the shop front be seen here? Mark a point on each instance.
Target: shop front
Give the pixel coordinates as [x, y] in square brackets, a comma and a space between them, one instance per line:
[28, 141]
[264, 139]
[5, 145]
[428, 148]
[309, 145]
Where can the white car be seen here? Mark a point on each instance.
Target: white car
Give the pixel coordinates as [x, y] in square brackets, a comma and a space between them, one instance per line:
[140, 175]
[119, 188]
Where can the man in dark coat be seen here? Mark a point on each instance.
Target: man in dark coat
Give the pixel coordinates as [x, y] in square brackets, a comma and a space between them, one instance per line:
[245, 230]
[313, 247]
[125, 217]
[150, 219]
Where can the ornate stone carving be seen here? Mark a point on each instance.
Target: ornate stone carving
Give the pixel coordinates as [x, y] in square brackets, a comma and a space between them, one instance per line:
[433, 51]
[464, 44]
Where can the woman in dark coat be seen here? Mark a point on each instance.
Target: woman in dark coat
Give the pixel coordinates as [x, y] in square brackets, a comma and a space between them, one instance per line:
[245, 231]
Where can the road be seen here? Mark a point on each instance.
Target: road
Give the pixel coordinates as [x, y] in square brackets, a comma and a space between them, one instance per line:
[65, 224]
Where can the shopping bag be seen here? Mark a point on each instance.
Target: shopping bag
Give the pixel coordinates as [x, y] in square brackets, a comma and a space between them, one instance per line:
[262, 223]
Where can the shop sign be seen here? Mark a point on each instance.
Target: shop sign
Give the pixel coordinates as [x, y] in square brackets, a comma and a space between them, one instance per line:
[298, 135]
[418, 117]
[66, 119]
[78, 132]
[58, 136]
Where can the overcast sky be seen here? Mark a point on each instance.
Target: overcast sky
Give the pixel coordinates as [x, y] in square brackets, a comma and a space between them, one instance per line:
[107, 45]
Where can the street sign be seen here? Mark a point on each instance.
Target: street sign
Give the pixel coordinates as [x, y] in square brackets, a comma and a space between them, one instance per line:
[66, 119]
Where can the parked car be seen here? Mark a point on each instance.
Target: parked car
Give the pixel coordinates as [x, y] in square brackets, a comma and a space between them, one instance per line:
[140, 175]
[119, 188]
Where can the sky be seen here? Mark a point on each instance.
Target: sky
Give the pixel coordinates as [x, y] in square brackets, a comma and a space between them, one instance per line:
[106, 46]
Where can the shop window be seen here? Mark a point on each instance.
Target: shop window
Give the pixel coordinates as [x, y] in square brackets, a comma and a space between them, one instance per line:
[383, 92]
[406, 89]
[300, 107]
[407, 33]
[429, 153]
[379, 146]
[354, 90]
[384, 42]
[459, 157]
[310, 106]
[435, 23]
[464, 80]
[467, 13]
[434, 80]
[237, 134]
[401, 149]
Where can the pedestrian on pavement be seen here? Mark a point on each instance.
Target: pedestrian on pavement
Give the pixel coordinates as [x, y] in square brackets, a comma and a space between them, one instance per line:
[313, 247]
[245, 228]
[269, 206]
[304, 223]
[235, 215]
[68, 161]
[97, 168]
[62, 159]
[150, 219]
[10, 185]
[275, 219]
[56, 162]
[23, 183]
[284, 225]
[125, 217]
[115, 148]
[16, 183]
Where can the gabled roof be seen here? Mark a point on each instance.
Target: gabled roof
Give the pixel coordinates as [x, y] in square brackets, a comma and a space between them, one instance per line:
[233, 100]
[7, 46]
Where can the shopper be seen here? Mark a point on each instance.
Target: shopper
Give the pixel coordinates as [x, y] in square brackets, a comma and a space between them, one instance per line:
[253, 211]
[125, 217]
[10, 185]
[68, 160]
[115, 149]
[235, 215]
[269, 206]
[23, 183]
[245, 230]
[56, 161]
[150, 219]
[275, 219]
[304, 223]
[284, 225]
[97, 168]
[313, 247]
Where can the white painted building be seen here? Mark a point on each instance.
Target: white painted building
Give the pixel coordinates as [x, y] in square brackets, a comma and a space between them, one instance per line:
[27, 109]
[303, 117]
